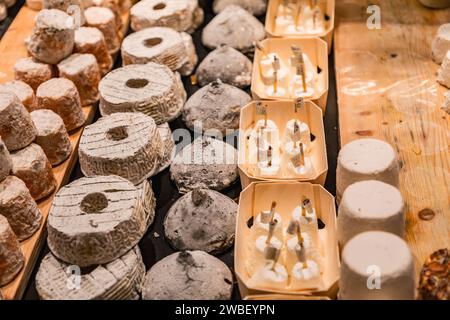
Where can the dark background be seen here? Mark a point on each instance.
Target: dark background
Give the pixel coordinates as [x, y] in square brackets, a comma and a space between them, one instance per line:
[153, 245]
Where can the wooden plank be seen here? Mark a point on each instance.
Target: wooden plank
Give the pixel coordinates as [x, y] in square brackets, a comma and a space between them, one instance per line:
[12, 48]
[387, 89]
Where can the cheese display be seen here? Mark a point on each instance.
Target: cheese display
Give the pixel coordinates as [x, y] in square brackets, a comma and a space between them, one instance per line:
[228, 65]
[152, 89]
[31, 165]
[441, 43]
[51, 135]
[123, 144]
[53, 36]
[216, 107]
[180, 15]
[33, 72]
[10, 254]
[16, 127]
[161, 45]
[120, 279]
[377, 265]
[234, 27]
[208, 278]
[366, 159]
[84, 72]
[104, 219]
[61, 96]
[205, 163]
[68, 6]
[17, 205]
[370, 205]
[201, 220]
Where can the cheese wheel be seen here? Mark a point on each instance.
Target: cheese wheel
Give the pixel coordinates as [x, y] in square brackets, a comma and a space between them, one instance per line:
[370, 205]
[17, 205]
[52, 135]
[23, 91]
[84, 72]
[10, 255]
[120, 279]
[33, 72]
[207, 277]
[96, 220]
[32, 166]
[16, 127]
[366, 159]
[53, 34]
[377, 265]
[61, 96]
[91, 40]
[123, 144]
[151, 89]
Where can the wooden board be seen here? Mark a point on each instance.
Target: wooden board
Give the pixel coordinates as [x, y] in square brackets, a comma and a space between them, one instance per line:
[12, 48]
[387, 89]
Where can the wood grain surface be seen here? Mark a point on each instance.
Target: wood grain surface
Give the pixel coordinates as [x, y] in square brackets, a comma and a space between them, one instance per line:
[387, 89]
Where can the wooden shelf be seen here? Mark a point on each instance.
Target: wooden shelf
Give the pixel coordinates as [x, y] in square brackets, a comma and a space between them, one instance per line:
[12, 48]
[387, 89]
